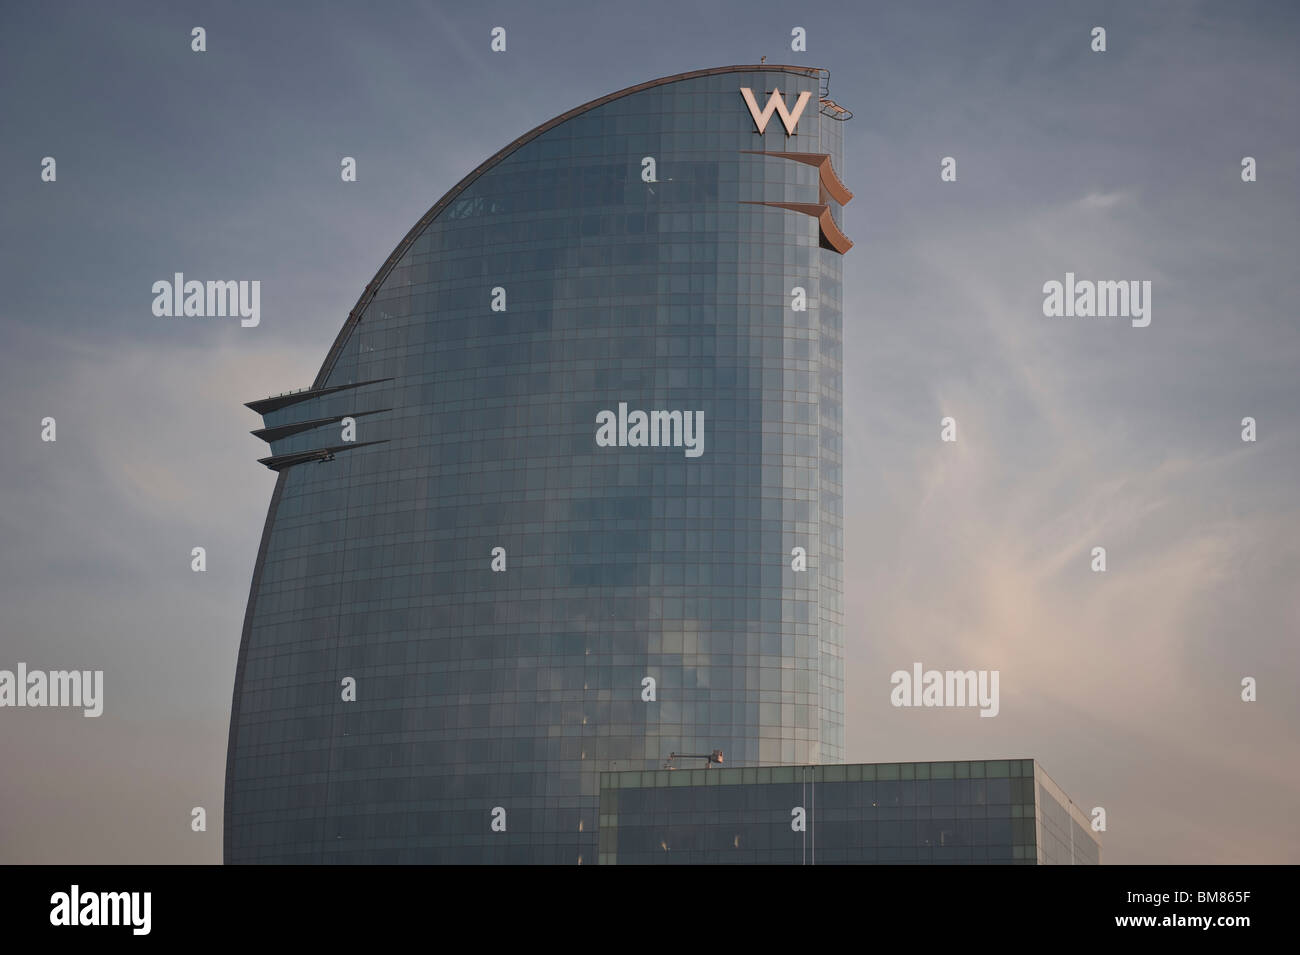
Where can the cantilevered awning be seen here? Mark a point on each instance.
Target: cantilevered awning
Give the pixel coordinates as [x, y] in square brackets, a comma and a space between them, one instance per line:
[285, 430]
[831, 236]
[830, 181]
[281, 461]
[266, 405]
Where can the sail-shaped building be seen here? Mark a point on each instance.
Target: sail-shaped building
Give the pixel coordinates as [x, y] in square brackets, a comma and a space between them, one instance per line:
[469, 600]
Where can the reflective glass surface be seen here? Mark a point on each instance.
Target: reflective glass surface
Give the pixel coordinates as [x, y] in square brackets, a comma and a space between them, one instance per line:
[974, 812]
[485, 696]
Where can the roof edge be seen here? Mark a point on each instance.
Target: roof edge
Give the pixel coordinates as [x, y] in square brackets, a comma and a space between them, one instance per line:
[372, 288]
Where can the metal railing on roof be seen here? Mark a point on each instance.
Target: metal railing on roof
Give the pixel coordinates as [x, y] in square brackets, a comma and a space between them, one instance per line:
[828, 106]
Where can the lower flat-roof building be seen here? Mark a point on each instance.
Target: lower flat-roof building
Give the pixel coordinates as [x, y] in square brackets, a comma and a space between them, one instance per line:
[974, 811]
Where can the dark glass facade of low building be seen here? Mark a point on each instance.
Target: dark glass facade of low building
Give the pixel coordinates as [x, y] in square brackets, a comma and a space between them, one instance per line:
[450, 546]
[979, 811]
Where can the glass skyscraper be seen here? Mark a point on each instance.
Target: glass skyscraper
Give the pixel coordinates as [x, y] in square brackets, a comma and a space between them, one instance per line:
[565, 496]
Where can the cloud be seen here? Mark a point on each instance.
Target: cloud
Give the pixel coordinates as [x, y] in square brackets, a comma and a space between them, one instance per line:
[977, 554]
[1102, 200]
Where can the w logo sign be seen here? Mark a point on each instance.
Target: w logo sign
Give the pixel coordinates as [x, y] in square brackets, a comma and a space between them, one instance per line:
[775, 102]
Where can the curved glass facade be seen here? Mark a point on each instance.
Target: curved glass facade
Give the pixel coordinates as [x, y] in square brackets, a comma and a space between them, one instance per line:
[555, 284]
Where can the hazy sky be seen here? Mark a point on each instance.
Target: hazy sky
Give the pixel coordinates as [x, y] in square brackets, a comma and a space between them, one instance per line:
[1072, 432]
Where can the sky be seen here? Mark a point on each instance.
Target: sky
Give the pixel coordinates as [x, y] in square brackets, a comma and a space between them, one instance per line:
[1072, 433]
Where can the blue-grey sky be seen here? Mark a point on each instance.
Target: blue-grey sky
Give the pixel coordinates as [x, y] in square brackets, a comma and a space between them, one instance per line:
[1072, 433]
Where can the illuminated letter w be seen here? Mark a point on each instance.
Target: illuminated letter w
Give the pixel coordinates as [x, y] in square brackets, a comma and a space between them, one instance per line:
[775, 102]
